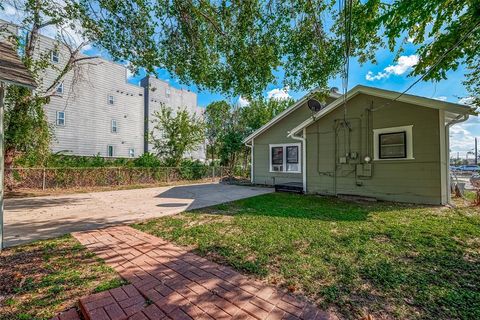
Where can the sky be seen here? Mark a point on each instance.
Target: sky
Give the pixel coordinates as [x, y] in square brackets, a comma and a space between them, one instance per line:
[389, 73]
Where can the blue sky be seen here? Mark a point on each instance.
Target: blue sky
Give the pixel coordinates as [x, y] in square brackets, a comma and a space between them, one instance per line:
[388, 73]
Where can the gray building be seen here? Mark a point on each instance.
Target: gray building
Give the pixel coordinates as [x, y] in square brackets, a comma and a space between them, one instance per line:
[95, 111]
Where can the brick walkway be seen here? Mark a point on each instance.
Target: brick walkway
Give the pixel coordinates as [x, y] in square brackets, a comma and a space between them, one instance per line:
[167, 282]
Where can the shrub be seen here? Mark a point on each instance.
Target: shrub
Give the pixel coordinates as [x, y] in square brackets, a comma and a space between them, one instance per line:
[192, 170]
[147, 160]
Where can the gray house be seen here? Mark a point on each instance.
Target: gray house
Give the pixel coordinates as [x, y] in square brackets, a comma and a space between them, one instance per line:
[377, 145]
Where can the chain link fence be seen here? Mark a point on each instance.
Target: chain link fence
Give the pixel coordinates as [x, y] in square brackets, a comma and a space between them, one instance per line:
[56, 178]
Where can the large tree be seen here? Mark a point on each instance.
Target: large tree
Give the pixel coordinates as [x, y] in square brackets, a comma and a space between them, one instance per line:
[26, 127]
[216, 118]
[237, 46]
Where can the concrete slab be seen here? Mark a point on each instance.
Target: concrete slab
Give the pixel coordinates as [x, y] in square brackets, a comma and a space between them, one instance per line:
[29, 219]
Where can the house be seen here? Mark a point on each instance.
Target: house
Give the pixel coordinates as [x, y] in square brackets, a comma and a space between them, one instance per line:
[95, 109]
[371, 143]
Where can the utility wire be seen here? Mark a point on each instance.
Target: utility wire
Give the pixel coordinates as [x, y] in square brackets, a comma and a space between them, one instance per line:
[465, 36]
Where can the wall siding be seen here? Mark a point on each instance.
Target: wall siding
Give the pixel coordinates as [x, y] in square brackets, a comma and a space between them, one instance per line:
[418, 180]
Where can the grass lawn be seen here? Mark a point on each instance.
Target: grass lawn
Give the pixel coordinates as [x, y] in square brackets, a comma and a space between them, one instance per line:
[388, 260]
[41, 279]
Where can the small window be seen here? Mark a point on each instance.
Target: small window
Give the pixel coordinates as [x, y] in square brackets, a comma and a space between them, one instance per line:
[285, 158]
[60, 88]
[167, 92]
[292, 158]
[60, 118]
[277, 159]
[110, 151]
[54, 56]
[131, 153]
[392, 145]
[114, 126]
[111, 99]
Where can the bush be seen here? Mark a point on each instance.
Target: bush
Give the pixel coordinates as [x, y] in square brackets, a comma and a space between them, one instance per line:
[147, 160]
[192, 170]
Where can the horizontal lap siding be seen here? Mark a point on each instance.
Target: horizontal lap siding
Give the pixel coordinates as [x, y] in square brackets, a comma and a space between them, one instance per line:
[417, 180]
[276, 134]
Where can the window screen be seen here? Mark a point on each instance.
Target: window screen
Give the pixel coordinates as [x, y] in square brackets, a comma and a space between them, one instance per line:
[393, 145]
[277, 155]
[292, 154]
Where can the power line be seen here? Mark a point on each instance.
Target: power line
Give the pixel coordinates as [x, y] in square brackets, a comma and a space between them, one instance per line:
[465, 36]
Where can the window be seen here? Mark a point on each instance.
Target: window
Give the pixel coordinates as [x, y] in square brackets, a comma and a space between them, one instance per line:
[131, 153]
[60, 118]
[114, 126]
[285, 158]
[167, 92]
[54, 56]
[111, 99]
[393, 143]
[60, 88]
[110, 151]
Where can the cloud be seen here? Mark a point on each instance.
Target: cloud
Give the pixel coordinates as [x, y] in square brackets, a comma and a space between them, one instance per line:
[278, 94]
[441, 98]
[404, 63]
[242, 102]
[467, 101]
[462, 135]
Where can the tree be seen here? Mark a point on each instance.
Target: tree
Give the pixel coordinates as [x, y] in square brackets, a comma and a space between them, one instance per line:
[175, 134]
[447, 33]
[216, 118]
[236, 46]
[259, 111]
[26, 126]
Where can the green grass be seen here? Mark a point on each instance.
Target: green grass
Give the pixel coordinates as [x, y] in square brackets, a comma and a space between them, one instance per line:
[41, 279]
[389, 260]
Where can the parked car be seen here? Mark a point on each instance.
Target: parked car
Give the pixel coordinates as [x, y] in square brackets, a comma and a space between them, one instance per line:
[453, 168]
[470, 168]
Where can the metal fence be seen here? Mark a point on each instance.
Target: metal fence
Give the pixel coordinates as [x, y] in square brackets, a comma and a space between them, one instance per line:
[51, 178]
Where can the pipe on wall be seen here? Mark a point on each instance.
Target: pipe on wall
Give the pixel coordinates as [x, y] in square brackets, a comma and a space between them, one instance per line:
[303, 140]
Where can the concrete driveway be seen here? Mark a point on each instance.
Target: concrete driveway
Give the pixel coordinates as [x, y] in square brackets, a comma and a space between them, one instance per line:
[28, 219]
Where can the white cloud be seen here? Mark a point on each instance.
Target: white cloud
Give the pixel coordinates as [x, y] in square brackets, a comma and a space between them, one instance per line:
[466, 100]
[278, 94]
[10, 10]
[242, 102]
[462, 135]
[441, 98]
[404, 63]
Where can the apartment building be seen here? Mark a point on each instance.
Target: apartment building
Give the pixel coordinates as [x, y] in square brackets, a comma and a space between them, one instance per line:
[95, 111]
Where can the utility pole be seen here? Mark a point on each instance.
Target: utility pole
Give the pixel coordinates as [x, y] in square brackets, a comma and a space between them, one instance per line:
[476, 152]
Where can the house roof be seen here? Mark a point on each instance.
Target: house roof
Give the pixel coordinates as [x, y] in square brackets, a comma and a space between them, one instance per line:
[454, 108]
[285, 113]
[12, 69]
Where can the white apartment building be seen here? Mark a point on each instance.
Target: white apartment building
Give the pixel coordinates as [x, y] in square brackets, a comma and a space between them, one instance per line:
[95, 111]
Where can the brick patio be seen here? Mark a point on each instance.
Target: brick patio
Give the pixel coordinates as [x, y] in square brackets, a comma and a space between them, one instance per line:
[167, 282]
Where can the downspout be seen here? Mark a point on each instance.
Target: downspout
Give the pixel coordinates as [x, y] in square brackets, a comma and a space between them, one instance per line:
[251, 146]
[303, 139]
[459, 119]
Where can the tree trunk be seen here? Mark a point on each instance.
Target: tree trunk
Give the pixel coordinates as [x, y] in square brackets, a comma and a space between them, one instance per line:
[9, 157]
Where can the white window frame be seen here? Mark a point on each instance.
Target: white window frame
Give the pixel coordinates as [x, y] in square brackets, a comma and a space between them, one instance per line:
[108, 151]
[55, 55]
[131, 152]
[285, 145]
[57, 118]
[409, 141]
[113, 126]
[59, 87]
[111, 99]
[168, 92]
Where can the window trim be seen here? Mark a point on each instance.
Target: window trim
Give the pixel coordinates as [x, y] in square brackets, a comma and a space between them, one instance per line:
[112, 100]
[131, 155]
[54, 53]
[408, 130]
[113, 126]
[60, 86]
[108, 151]
[285, 145]
[57, 118]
